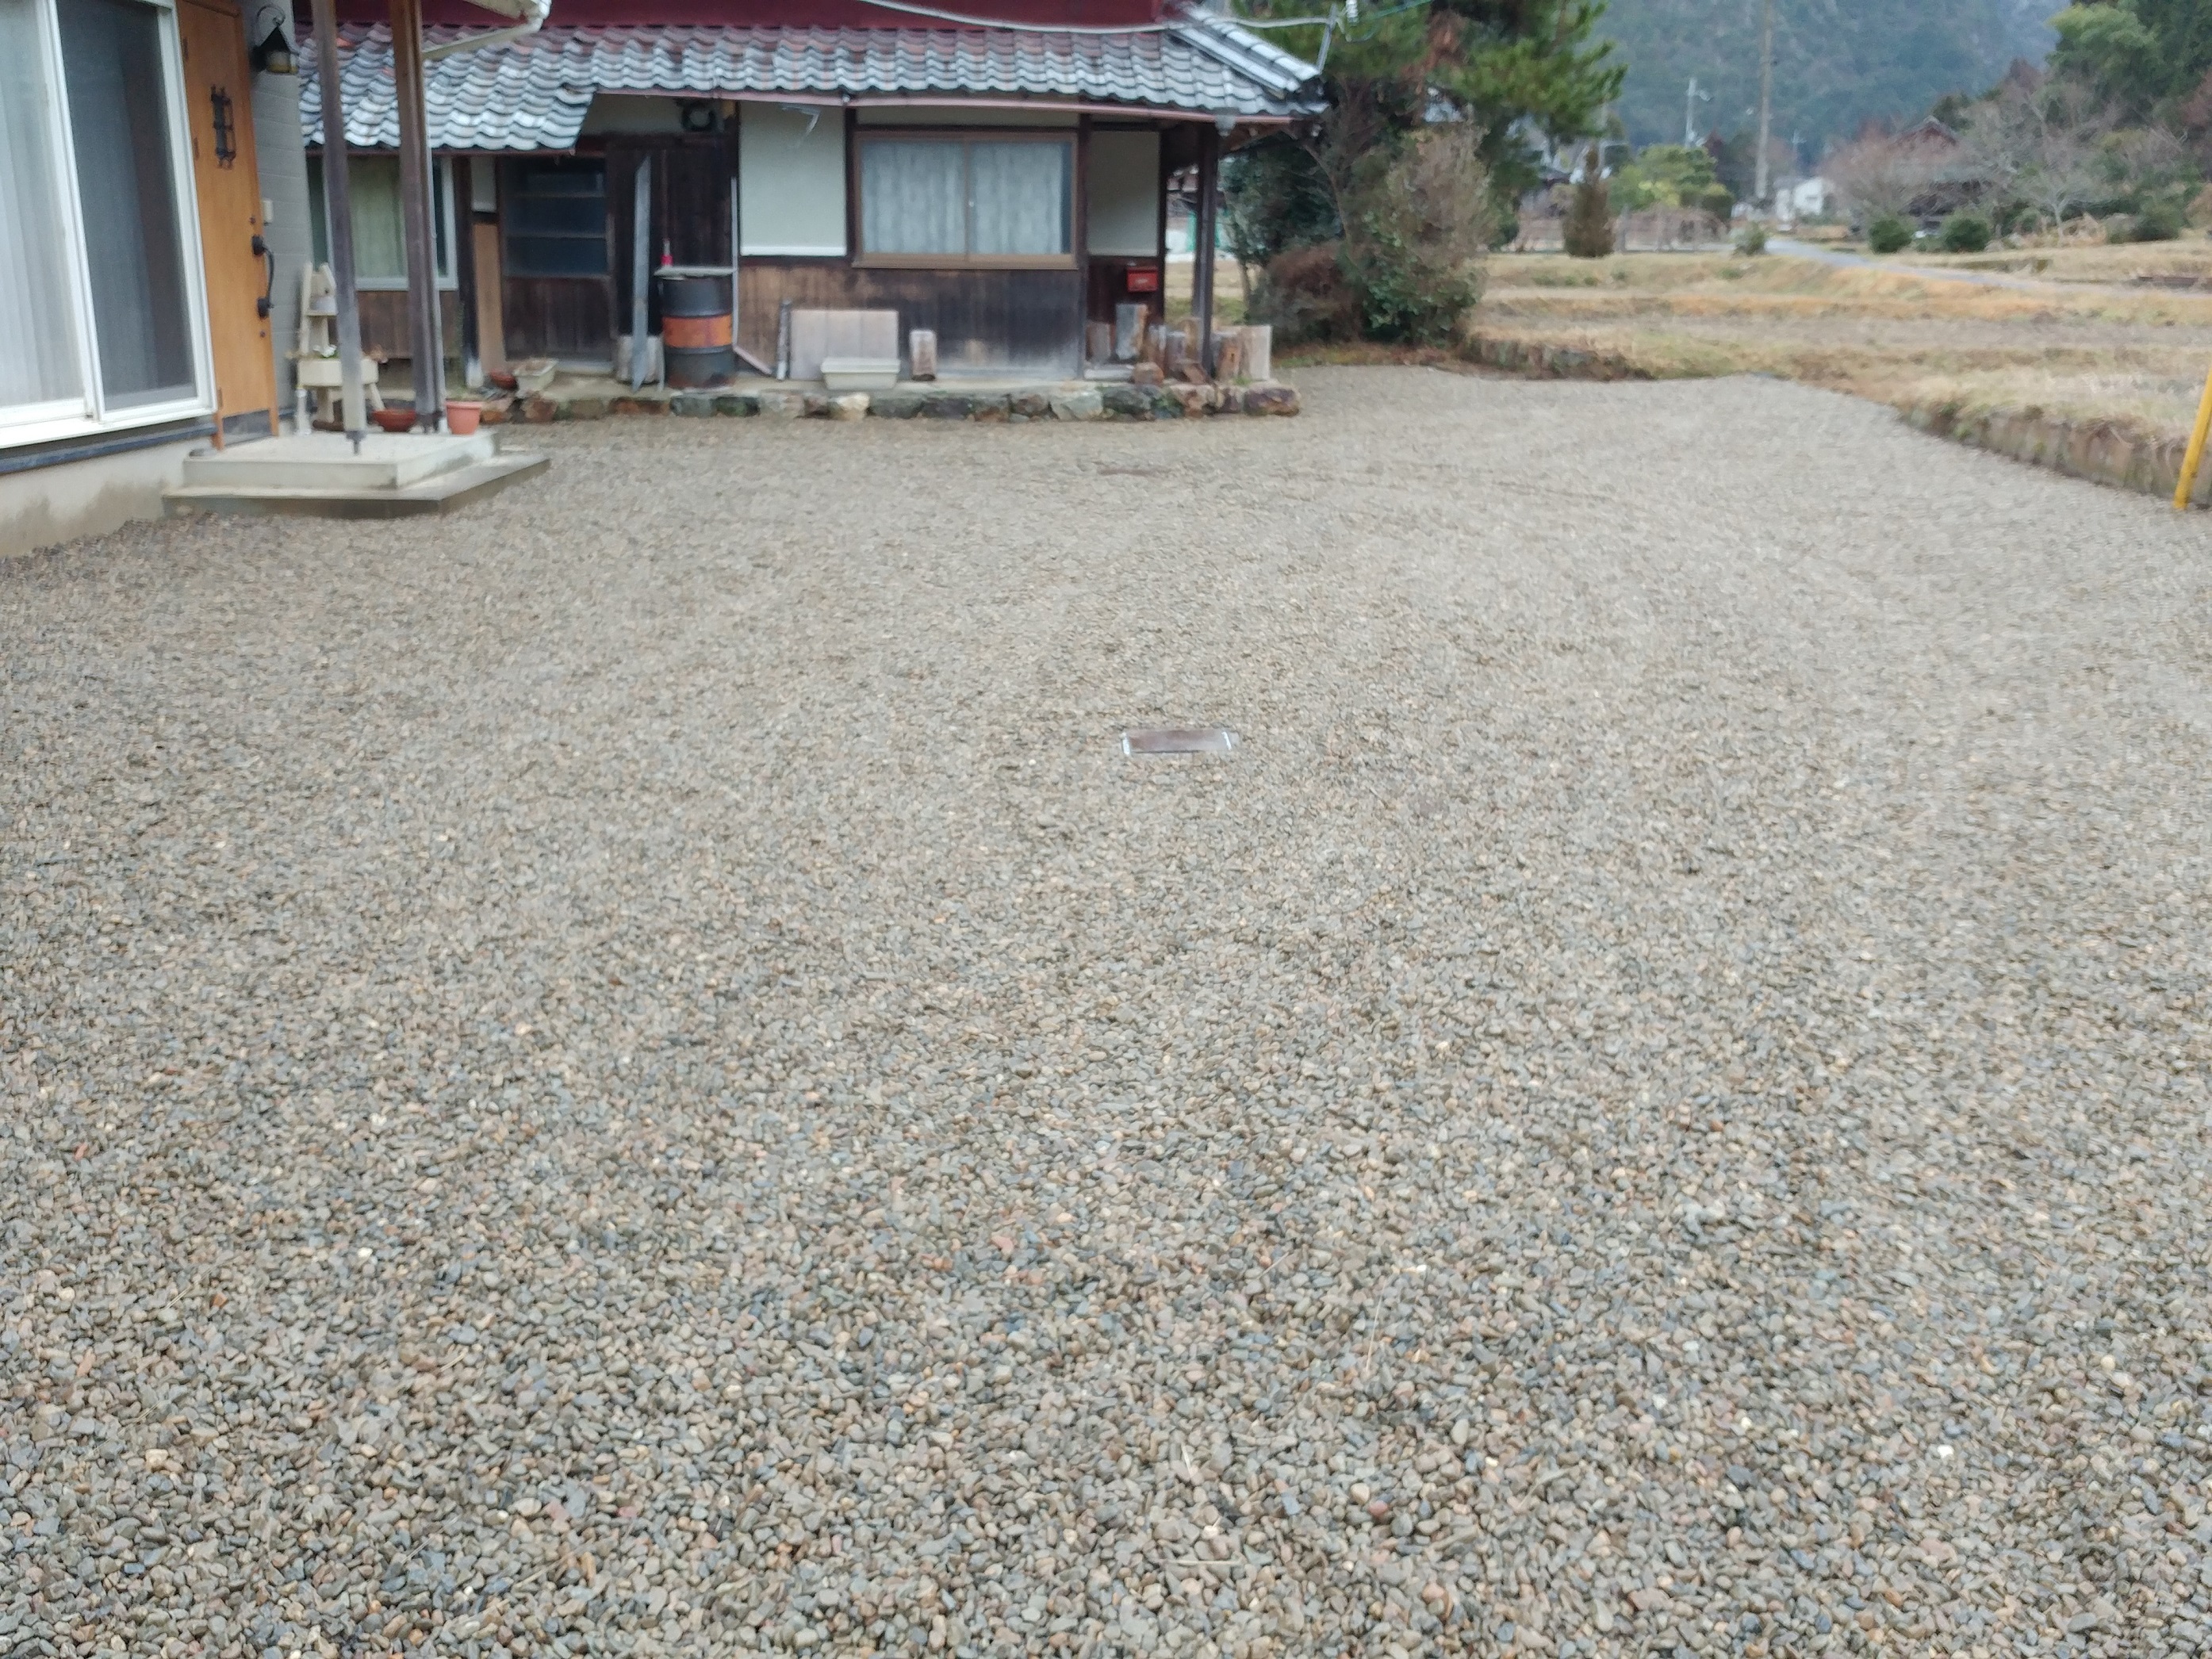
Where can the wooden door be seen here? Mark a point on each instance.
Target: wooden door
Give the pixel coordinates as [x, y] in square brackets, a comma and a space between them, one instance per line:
[690, 208]
[219, 106]
[557, 285]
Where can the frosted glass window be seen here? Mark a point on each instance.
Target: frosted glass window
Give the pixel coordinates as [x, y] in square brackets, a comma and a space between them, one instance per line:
[380, 229]
[121, 129]
[1021, 193]
[38, 357]
[914, 197]
[966, 200]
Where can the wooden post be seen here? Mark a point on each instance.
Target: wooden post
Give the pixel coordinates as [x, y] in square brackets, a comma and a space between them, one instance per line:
[465, 273]
[337, 210]
[427, 339]
[1201, 270]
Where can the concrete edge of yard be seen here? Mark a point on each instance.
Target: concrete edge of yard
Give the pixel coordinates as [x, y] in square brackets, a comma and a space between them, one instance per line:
[2121, 454]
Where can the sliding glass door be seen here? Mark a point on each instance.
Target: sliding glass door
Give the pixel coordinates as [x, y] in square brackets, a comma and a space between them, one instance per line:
[101, 317]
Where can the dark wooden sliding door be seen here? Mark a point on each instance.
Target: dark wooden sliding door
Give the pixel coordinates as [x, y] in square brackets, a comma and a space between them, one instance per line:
[557, 261]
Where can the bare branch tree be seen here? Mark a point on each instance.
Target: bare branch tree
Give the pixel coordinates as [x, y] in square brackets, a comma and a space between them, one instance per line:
[2046, 144]
[1878, 174]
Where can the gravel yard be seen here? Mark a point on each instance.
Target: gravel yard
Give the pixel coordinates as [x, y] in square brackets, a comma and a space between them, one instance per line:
[635, 1070]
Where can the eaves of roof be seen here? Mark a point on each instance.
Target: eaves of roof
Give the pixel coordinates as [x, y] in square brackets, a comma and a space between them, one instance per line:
[533, 92]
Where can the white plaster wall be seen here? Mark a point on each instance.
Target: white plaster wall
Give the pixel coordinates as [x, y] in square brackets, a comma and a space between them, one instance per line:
[791, 181]
[280, 152]
[1125, 193]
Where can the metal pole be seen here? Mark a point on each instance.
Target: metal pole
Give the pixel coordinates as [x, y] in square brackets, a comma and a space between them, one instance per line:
[1201, 270]
[1765, 98]
[338, 212]
[641, 267]
[427, 342]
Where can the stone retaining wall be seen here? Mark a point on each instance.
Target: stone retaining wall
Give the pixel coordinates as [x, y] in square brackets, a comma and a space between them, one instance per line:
[1112, 402]
[1543, 360]
[2104, 451]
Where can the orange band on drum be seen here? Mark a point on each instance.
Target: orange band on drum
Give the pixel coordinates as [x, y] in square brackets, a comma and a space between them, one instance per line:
[694, 333]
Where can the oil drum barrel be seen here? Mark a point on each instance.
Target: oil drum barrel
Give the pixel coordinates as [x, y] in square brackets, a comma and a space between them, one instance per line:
[696, 341]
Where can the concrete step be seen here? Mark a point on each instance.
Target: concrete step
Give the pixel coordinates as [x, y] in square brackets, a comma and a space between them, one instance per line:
[326, 460]
[441, 493]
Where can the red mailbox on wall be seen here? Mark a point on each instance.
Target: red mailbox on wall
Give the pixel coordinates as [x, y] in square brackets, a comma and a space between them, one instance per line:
[1144, 279]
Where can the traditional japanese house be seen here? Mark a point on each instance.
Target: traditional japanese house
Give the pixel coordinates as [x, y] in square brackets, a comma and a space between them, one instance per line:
[1000, 179]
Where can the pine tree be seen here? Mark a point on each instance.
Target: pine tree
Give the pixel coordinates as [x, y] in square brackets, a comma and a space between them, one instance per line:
[1588, 233]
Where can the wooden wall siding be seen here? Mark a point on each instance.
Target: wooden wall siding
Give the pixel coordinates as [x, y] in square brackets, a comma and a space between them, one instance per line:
[384, 323]
[1024, 321]
[491, 293]
[558, 316]
[1109, 288]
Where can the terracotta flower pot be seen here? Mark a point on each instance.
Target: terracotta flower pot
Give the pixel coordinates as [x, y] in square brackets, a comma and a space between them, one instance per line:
[394, 420]
[462, 415]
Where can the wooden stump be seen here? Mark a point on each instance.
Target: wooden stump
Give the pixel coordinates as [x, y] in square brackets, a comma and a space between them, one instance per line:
[1259, 350]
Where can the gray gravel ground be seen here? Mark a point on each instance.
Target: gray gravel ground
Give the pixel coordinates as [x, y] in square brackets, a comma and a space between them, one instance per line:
[634, 1072]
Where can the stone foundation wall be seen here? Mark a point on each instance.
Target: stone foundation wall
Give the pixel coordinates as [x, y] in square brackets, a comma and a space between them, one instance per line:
[1112, 402]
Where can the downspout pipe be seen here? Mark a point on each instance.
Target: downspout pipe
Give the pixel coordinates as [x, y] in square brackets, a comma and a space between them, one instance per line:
[533, 20]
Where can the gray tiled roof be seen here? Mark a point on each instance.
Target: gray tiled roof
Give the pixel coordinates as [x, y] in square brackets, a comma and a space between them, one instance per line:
[533, 92]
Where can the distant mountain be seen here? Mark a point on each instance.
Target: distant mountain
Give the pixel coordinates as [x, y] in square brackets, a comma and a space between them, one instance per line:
[1836, 63]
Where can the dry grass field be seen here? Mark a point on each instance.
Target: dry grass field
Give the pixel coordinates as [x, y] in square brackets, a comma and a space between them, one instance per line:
[2076, 334]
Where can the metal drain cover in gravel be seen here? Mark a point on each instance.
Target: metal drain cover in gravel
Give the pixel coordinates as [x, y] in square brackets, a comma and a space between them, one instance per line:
[1178, 740]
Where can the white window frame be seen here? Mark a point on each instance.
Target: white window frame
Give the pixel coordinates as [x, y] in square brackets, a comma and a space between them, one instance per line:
[88, 415]
[449, 279]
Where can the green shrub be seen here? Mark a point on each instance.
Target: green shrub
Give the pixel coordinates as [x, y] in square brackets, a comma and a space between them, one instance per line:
[1751, 241]
[1425, 221]
[1717, 200]
[1889, 234]
[1965, 232]
[1587, 234]
[1664, 175]
[2159, 222]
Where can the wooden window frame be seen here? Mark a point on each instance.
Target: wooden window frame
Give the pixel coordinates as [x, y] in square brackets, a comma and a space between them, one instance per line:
[860, 138]
[448, 277]
[507, 198]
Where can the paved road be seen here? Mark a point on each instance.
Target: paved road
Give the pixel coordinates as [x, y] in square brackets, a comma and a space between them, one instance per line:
[636, 1072]
[1837, 257]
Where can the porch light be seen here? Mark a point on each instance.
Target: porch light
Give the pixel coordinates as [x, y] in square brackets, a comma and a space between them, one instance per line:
[274, 55]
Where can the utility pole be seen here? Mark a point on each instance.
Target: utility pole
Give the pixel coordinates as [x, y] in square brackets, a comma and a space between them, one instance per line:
[1690, 114]
[1766, 97]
